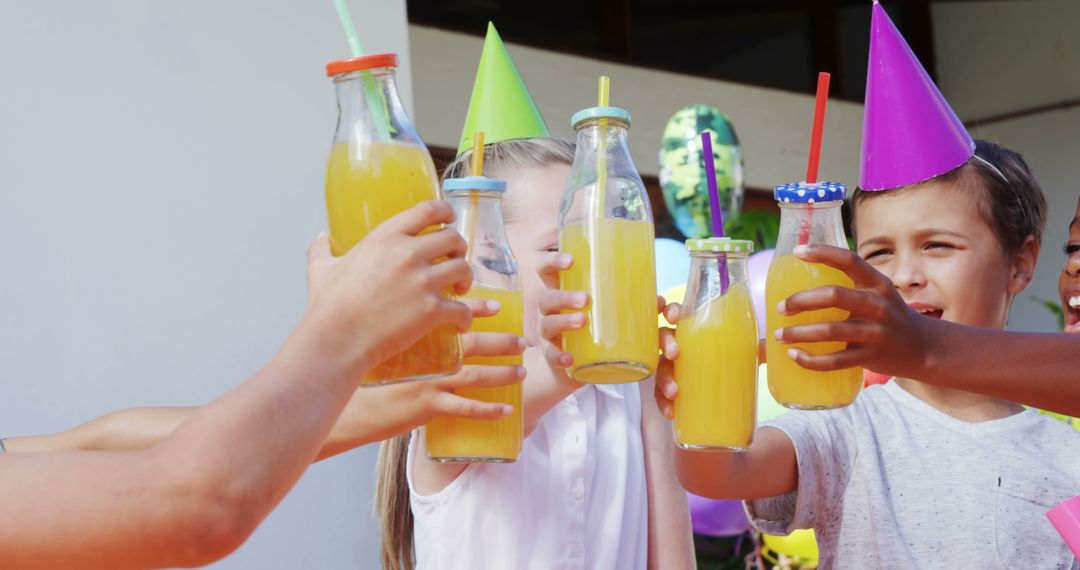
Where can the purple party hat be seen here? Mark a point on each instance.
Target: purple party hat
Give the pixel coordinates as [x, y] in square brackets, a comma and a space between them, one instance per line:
[910, 133]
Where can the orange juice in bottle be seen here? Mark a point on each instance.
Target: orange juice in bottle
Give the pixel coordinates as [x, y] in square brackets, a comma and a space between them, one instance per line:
[605, 223]
[378, 167]
[478, 204]
[716, 370]
[809, 214]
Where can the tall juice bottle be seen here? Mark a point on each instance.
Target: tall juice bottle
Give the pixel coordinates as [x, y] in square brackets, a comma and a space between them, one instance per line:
[478, 204]
[378, 167]
[718, 349]
[809, 214]
[605, 223]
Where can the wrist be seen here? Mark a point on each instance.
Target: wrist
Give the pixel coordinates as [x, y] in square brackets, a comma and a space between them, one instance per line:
[328, 352]
[544, 377]
[934, 353]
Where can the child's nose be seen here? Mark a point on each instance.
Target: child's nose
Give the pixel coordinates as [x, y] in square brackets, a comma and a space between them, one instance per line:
[907, 275]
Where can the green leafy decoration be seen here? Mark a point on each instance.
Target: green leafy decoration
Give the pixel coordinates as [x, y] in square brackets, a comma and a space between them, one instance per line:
[758, 226]
[1055, 308]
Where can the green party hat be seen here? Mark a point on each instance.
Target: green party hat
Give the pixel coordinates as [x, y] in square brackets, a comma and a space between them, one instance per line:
[500, 105]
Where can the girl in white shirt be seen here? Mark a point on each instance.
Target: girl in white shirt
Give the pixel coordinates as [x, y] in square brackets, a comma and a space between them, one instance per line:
[594, 486]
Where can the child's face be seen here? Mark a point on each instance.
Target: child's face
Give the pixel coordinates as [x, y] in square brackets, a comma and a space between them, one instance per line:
[1069, 282]
[532, 208]
[942, 256]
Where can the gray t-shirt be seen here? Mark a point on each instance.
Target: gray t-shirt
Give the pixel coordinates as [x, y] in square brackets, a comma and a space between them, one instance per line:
[892, 482]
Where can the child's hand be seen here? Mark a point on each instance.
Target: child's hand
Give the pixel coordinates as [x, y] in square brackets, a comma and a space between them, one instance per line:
[387, 291]
[882, 333]
[382, 412]
[553, 301]
[666, 387]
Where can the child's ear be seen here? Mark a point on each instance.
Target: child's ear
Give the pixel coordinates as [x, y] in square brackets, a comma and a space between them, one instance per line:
[1023, 266]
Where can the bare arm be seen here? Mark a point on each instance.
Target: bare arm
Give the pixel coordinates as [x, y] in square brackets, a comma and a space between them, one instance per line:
[124, 430]
[187, 501]
[767, 469]
[671, 543]
[885, 335]
[196, 495]
[140, 428]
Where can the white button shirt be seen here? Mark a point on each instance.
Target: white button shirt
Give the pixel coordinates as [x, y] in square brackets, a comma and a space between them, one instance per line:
[574, 500]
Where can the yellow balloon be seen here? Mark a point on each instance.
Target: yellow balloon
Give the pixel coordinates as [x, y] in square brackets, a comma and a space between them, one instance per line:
[800, 544]
[673, 295]
[1075, 422]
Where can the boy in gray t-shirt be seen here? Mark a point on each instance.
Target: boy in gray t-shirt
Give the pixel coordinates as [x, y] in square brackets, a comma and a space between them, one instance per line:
[913, 474]
[892, 482]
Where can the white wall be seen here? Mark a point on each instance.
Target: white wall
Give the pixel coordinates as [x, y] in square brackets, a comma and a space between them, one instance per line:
[998, 57]
[161, 174]
[773, 125]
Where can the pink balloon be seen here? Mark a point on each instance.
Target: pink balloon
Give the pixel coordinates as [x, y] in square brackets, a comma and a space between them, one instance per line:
[758, 268]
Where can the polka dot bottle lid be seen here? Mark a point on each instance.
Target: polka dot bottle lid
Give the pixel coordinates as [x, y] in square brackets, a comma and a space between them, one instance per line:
[720, 245]
[803, 193]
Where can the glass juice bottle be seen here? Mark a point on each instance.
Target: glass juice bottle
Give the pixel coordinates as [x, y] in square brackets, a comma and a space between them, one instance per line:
[378, 167]
[809, 214]
[605, 223]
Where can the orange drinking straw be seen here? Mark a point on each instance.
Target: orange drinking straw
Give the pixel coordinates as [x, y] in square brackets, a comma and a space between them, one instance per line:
[478, 154]
[815, 147]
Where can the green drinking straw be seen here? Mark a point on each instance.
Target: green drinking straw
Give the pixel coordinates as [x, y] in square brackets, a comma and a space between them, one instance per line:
[377, 101]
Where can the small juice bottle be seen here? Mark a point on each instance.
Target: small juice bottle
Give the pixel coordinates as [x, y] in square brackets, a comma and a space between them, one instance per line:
[378, 167]
[478, 204]
[605, 223]
[717, 336]
[809, 214]
[718, 349]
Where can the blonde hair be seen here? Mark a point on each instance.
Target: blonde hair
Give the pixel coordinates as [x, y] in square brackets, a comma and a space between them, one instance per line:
[391, 490]
[392, 505]
[504, 156]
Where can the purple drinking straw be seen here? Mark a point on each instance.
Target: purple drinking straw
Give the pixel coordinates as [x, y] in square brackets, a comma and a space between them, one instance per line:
[714, 203]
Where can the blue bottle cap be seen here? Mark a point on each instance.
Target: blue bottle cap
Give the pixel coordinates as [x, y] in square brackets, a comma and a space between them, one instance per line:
[600, 113]
[482, 183]
[803, 193]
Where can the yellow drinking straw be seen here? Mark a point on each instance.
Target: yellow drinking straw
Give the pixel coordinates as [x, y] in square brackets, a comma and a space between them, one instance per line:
[601, 151]
[474, 196]
[593, 225]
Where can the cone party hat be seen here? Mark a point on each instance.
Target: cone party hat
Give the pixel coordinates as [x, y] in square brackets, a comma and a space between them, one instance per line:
[910, 133]
[500, 105]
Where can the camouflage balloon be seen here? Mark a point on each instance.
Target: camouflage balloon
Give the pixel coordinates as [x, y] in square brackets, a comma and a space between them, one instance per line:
[682, 172]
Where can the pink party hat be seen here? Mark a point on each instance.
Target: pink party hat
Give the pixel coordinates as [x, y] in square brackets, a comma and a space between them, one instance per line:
[1066, 519]
[910, 133]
